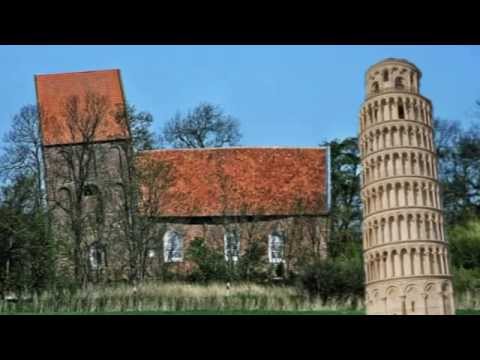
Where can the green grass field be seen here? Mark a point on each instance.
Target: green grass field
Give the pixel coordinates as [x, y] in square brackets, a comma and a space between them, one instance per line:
[233, 312]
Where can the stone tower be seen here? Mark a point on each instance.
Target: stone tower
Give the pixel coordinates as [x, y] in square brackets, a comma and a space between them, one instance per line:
[405, 251]
[87, 150]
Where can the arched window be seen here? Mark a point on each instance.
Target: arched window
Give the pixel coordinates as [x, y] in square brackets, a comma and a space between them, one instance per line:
[99, 212]
[385, 75]
[118, 196]
[90, 190]
[399, 83]
[64, 198]
[232, 245]
[276, 247]
[94, 202]
[118, 155]
[172, 247]
[90, 164]
[375, 87]
[96, 256]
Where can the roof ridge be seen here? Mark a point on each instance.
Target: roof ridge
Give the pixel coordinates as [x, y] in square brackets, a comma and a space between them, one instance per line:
[241, 148]
[78, 72]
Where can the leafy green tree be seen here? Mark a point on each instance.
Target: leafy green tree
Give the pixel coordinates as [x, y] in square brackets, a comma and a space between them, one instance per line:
[464, 242]
[346, 212]
[26, 251]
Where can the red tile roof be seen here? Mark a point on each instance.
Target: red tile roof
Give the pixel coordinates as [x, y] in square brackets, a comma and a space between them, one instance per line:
[248, 181]
[54, 89]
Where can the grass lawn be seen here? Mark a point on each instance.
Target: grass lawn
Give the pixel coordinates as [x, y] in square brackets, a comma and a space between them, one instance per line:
[232, 312]
[207, 312]
[468, 312]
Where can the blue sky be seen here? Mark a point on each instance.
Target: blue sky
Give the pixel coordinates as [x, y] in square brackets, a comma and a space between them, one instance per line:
[282, 95]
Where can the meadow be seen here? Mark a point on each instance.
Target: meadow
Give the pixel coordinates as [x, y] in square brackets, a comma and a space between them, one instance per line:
[193, 299]
[176, 297]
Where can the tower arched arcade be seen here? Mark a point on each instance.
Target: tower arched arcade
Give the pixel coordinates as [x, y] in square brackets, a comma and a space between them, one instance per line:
[405, 250]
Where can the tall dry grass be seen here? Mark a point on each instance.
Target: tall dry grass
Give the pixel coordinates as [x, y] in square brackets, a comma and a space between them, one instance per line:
[173, 297]
[188, 297]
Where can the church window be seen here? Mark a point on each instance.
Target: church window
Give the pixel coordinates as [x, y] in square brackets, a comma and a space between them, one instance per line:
[172, 247]
[232, 245]
[96, 256]
[276, 247]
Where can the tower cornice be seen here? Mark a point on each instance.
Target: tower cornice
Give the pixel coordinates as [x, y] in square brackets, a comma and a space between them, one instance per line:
[394, 61]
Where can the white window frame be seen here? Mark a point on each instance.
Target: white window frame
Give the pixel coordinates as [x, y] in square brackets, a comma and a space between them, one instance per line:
[166, 246]
[234, 258]
[92, 256]
[271, 259]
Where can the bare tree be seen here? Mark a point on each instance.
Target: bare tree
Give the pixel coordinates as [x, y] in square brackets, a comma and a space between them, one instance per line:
[151, 181]
[458, 150]
[206, 126]
[139, 123]
[22, 152]
[25, 237]
[72, 174]
[96, 188]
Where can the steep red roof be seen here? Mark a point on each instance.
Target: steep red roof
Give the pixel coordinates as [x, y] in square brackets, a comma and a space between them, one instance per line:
[236, 181]
[54, 89]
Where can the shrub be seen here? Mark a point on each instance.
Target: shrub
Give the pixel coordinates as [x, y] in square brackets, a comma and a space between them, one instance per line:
[466, 280]
[251, 265]
[331, 279]
[208, 263]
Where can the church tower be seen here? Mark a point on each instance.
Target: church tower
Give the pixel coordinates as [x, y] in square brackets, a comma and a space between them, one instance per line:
[405, 250]
[86, 146]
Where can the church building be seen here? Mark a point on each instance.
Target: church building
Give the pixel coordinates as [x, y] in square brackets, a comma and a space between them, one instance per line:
[233, 198]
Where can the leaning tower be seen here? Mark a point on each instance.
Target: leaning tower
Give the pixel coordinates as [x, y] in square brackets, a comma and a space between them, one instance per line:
[405, 251]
